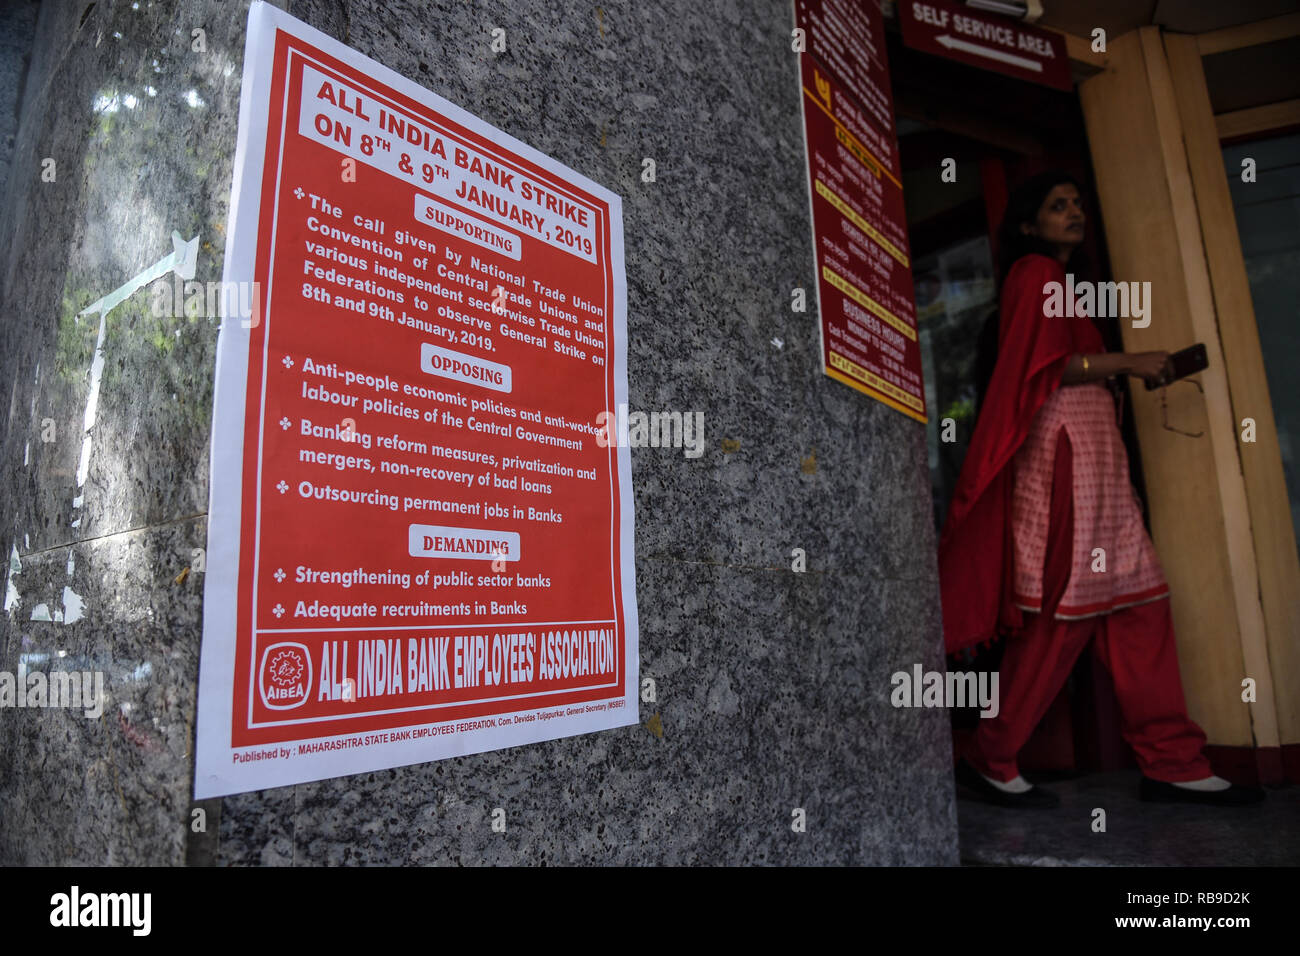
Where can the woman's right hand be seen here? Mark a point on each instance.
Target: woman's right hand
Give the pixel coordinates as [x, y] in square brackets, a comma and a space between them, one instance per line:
[1154, 367]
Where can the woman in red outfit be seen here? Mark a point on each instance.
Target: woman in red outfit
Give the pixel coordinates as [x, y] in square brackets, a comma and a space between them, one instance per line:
[1044, 540]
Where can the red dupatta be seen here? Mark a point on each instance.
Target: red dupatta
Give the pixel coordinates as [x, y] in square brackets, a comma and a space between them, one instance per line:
[975, 550]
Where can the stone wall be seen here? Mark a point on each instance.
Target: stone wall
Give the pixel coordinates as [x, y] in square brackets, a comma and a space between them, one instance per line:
[772, 686]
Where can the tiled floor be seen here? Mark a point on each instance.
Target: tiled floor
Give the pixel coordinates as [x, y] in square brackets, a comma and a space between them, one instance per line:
[1137, 833]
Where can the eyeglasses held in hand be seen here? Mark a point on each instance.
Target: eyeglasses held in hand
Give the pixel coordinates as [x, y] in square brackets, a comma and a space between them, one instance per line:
[1164, 407]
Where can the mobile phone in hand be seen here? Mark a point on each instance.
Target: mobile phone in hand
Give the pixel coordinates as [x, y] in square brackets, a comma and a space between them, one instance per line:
[1189, 361]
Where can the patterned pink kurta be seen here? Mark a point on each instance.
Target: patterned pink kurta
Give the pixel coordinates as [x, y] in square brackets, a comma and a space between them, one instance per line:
[1106, 510]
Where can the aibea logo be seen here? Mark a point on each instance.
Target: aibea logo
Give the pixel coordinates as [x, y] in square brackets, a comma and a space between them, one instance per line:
[284, 676]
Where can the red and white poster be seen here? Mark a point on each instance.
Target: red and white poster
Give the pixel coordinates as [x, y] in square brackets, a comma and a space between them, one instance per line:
[864, 269]
[420, 538]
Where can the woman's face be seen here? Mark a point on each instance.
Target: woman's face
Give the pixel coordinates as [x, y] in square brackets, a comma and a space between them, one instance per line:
[1060, 219]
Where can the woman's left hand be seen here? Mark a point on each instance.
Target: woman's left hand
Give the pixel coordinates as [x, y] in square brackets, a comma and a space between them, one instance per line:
[1154, 367]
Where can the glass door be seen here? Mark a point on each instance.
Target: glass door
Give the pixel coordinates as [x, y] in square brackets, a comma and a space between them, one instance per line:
[1268, 222]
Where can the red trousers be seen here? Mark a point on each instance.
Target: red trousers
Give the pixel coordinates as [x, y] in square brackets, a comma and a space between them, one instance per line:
[1135, 644]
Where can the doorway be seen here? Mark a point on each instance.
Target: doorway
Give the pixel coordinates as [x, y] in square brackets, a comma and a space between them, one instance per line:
[992, 132]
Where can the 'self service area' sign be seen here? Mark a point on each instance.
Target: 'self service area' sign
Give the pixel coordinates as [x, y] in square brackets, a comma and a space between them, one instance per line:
[987, 41]
[420, 540]
[864, 269]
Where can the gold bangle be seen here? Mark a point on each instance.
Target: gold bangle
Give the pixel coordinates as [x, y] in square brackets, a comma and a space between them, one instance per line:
[1085, 364]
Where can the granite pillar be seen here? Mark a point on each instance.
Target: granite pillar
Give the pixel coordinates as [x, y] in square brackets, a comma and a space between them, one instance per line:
[772, 686]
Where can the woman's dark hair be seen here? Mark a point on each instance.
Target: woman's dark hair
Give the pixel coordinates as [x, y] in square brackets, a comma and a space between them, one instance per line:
[1022, 207]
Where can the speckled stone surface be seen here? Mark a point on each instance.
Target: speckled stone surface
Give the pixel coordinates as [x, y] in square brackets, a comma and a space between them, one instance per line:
[17, 27]
[772, 686]
[113, 788]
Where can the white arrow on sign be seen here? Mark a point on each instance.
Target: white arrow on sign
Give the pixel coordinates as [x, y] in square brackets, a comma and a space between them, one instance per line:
[182, 260]
[984, 51]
